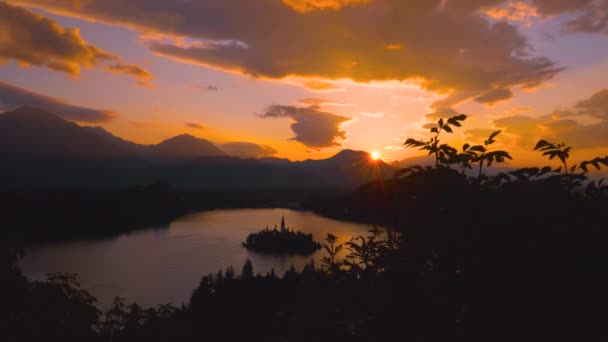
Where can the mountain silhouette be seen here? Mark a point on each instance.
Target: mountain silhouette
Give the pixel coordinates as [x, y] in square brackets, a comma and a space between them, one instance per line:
[42, 150]
[186, 146]
[33, 133]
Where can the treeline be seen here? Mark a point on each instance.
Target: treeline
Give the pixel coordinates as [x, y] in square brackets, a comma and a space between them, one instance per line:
[35, 216]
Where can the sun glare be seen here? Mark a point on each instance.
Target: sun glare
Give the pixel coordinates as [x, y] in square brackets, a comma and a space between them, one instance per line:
[375, 155]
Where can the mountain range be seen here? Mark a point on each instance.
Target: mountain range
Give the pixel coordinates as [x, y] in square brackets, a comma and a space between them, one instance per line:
[42, 150]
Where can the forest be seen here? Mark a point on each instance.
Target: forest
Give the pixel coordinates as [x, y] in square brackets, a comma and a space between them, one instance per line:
[516, 256]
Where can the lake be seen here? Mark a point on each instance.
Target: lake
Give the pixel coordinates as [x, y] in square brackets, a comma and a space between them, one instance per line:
[164, 265]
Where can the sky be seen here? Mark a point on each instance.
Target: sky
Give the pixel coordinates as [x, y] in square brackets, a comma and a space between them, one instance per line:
[303, 79]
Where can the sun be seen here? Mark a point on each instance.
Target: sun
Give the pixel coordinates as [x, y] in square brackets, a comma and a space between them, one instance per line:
[375, 155]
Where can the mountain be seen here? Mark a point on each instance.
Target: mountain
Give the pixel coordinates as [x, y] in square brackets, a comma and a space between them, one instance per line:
[33, 133]
[186, 146]
[30, 132]
[41, 150]
[348, 167]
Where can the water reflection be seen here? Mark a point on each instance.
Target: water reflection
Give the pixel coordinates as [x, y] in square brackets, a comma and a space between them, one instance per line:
[164, 265]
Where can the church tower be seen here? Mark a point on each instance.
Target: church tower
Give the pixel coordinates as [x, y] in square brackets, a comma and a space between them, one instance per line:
[283, 229]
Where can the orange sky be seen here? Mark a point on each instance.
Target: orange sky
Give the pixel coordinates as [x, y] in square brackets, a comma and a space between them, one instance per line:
[310, 77]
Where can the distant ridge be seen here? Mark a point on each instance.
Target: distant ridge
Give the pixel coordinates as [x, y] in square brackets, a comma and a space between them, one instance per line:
[186, 146]
[42, 150]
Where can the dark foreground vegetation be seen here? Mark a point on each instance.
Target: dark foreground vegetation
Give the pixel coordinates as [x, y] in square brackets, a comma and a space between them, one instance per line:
[517, 257]
[273, 241]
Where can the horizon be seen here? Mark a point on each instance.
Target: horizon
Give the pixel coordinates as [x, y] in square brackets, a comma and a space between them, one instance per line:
[532, 69]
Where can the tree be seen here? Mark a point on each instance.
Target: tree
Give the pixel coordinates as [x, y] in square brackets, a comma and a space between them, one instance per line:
[443, 153]
[481, 154]
[247, 272]
[331, 261]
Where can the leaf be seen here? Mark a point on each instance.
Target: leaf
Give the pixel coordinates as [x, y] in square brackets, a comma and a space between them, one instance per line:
[447, 129]
[542, 144]
[493, 135]
[478, 148]
[414, 143]
[465, 147]
[434, 130]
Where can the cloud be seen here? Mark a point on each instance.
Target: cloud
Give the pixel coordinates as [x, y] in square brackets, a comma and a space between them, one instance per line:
[448, 47]
[31, 39]
[305, 6]
[442, 113]
[526, 129]
[514, 11]
[373, 115]
[394, 148]
[591, 15]
[553, 7]
[313, 127]
[593, 20]
[204, 89]
[194, 125]
[130, 69]
[12, 97]
[243, 149]
[477, 135]
[318, 85]
[322, 102]
[596, 105]
[494, 96]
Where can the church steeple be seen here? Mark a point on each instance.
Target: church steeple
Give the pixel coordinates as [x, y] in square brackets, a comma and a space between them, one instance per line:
[283, 230]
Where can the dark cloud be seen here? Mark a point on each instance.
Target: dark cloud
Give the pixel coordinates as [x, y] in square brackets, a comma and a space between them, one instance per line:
[448, 46]
[593, 20]
[494, 96]
[195, 125]
[12, 97]
[313, 127]
[243, 149]
[32, 39]
[596, 105]
[552, 7]
[591, 15]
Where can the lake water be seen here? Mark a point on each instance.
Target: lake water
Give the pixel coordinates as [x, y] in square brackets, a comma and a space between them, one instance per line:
[156, 266]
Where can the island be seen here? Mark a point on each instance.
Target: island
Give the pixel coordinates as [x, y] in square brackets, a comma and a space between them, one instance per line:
[284, 241]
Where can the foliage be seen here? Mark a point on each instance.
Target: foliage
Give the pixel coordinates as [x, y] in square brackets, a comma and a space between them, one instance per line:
[277, 242]
[443, 153]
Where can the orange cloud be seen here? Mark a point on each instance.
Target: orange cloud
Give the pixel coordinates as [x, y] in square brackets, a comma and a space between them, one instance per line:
[514, 11]
[305, 6]
[130, 69]
[31, 39]
[444, 54]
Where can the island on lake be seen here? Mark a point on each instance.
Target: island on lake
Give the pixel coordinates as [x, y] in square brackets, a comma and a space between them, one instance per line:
[284, 241]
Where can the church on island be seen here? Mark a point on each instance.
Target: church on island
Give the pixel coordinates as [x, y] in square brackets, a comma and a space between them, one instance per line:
[283, 241]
